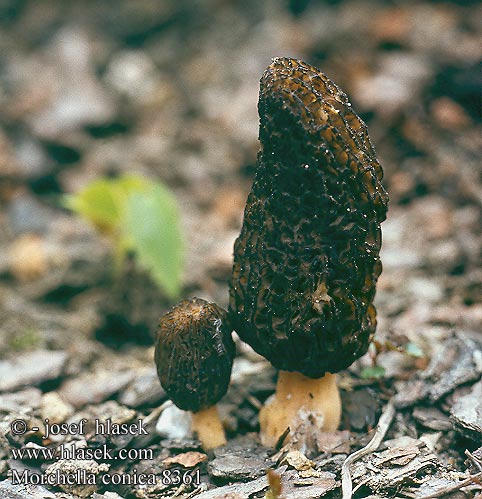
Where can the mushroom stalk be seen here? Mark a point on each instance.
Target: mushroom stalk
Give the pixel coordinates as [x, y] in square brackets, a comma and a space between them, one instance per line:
[207, 424]
[298, 397]
[306, 261]
[194, 357]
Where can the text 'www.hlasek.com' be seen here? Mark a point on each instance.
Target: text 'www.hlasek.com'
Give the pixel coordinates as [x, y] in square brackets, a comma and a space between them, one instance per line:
[66, 457]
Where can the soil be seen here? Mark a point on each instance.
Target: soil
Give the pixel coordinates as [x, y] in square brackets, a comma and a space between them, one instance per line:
[168, 90]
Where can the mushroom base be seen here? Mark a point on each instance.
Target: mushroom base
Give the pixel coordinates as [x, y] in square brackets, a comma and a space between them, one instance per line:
[208, 426]
[300, 402]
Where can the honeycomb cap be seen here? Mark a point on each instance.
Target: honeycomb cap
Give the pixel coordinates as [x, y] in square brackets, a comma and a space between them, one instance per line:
[194, 354]
[307, 261]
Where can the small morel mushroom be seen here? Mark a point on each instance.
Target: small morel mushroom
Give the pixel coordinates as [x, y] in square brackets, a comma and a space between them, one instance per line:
[307, 261]
[194, 356]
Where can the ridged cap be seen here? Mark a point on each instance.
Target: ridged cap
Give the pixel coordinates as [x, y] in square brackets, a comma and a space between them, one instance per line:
[307, 261]
[194, 354]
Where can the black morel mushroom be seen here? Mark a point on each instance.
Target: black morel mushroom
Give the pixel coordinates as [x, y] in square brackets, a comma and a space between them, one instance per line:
[307, 260]
[194, 356]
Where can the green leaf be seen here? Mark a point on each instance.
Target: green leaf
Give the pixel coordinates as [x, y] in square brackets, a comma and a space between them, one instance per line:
[375, 372]
[138, 215]
[102, 202]
[152, 227]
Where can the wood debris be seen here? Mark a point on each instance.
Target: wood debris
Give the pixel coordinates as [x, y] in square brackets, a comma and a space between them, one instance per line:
[186, 459]
[466, 413]
[395, 467]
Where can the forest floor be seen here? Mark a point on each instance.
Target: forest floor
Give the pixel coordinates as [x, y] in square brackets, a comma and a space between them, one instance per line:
[169, 90]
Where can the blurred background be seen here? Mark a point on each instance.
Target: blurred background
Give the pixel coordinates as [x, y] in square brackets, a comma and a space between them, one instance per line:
[168, 90]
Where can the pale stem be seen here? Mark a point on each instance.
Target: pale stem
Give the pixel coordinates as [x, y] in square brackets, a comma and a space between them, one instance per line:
[295, 392]
[208, 426]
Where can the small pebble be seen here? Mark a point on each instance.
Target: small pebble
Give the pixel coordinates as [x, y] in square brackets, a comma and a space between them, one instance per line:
[31, 368]
[16, 401]
[145, 389]
[54, 408]
[173, 423]
[18, 491]
[86, 470]
[94, 387]
[27, 215]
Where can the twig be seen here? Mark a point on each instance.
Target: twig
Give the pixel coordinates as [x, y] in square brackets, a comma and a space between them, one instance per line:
[382, 428]
[202, 487]
[361, 484]
[154, 414]
[150, 422]
[180, 490]
[254, 401]
[474, 459]
[452, 488]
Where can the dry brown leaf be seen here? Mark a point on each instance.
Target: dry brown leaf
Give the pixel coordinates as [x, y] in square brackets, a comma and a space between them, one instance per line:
[294, 487]
[398, 456]
[337, 442]
[187, 459]
[298, 460]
